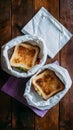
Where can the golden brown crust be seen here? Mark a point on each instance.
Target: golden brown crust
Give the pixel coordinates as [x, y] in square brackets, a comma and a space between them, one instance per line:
[24, 56]
[47, 83]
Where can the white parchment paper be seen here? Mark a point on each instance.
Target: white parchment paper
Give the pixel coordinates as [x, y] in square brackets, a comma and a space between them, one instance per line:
[35, 100]
[6, 52]
[45, 26]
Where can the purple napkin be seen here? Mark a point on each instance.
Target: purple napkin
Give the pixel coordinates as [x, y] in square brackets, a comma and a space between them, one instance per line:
[14, 87]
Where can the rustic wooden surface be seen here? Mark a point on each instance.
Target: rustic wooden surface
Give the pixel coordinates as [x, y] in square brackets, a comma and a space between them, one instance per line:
[14, 14]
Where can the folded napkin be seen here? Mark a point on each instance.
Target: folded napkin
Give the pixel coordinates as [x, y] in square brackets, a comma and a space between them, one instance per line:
[14, 87]
[44, 25]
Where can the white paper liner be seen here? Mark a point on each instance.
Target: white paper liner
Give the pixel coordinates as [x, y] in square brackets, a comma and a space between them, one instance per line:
[6, 51]
[45, 26]
[35, 100]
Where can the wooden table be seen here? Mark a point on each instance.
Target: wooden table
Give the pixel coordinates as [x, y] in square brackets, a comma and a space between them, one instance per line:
[14, 14]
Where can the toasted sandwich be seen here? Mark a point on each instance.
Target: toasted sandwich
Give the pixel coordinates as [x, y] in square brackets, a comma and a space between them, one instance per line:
[46, 84]
[24, 56]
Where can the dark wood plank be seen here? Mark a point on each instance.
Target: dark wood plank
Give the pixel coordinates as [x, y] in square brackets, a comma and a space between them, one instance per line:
[22, 117]
[5, 28]
[22, 12]
[51, 6]
[5, 35]
[50, 120]
[5, 21]
[66, 105]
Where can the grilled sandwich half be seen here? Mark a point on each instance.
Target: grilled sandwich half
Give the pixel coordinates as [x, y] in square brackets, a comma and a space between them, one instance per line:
[24, 56]
[46, 84]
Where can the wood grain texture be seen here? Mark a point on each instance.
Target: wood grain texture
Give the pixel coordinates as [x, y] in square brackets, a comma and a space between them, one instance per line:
[5, 35]
[5, 21]
[22, 12]
[5, 29]
[66, 105]
[51, 5]
[22, 117]
[50, 120]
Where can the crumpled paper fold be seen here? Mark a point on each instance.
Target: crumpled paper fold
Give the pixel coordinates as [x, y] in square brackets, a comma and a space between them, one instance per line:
[35, 100]
[6, 52]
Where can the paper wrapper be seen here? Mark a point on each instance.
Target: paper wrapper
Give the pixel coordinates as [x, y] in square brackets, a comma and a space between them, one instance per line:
[6, 52]
[35, 100]
[15, 87]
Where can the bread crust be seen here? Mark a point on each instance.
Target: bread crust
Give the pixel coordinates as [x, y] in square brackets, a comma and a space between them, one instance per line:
[47, 84]
[24, 56]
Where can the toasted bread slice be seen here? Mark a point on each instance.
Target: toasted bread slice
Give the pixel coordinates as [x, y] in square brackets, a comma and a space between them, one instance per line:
[47, 84]
[24, 56]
